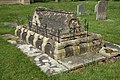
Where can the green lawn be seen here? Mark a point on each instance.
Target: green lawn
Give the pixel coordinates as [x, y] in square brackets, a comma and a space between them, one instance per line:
[14, 65]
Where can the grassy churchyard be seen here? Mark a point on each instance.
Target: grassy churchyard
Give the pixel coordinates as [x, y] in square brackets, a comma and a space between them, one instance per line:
[16, 66]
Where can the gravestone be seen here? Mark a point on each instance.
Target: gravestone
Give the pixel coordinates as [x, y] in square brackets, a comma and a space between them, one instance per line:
[80, 9]
[96, 8]
[101, 11]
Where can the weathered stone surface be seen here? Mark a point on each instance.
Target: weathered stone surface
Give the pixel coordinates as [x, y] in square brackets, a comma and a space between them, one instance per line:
[49, 22]
[101, 10]
[51, 66]
[92, 42]
[77, 61]
[96, 8]
[12, 42]
[114, 46]
[45, 62]
[11, 24]
[8, 36]
[80, 9]
[58, 34]
[110, 50]
[109, 54]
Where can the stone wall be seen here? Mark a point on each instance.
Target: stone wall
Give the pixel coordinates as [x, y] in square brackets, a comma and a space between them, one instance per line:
[14, 1]
[56, 50]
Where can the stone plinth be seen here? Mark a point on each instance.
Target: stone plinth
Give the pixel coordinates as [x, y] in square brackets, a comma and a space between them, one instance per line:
[58, 33]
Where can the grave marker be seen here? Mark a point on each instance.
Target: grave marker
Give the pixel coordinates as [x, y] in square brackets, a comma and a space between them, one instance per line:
[101, 11]
[80, 9]
[96, 8]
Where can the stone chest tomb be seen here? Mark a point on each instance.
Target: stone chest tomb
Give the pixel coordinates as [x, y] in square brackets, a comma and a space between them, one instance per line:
[59, 34]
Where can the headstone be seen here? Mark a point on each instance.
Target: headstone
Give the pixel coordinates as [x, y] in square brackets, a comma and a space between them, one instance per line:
[96, 8]
[80, 9]
[101, 10]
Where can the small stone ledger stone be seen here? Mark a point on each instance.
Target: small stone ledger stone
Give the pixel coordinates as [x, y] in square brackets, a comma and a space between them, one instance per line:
[11, 24]
[101, 10]
[80, 9]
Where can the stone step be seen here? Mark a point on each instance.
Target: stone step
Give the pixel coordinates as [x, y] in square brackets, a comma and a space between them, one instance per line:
[80, 60]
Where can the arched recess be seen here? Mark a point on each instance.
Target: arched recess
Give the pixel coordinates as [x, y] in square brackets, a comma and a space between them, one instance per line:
[24, 34]
[18, 32]
[31, 38]
[49, 49]
[69, 50]
[39, 43]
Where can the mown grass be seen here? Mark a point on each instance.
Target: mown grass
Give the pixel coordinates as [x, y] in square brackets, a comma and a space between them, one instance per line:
[108, 28]
[14, 65]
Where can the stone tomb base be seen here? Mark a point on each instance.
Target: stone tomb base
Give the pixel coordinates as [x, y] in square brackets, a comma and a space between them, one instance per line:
[51, 67]
[66, 48]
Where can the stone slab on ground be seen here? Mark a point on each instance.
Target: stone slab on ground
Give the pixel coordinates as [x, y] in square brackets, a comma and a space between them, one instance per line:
[29, 50]
[12, 24]
[50, 66]
[111, 45]
[110, 50]
[7, 36]
[46, 63]
[77, 61]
